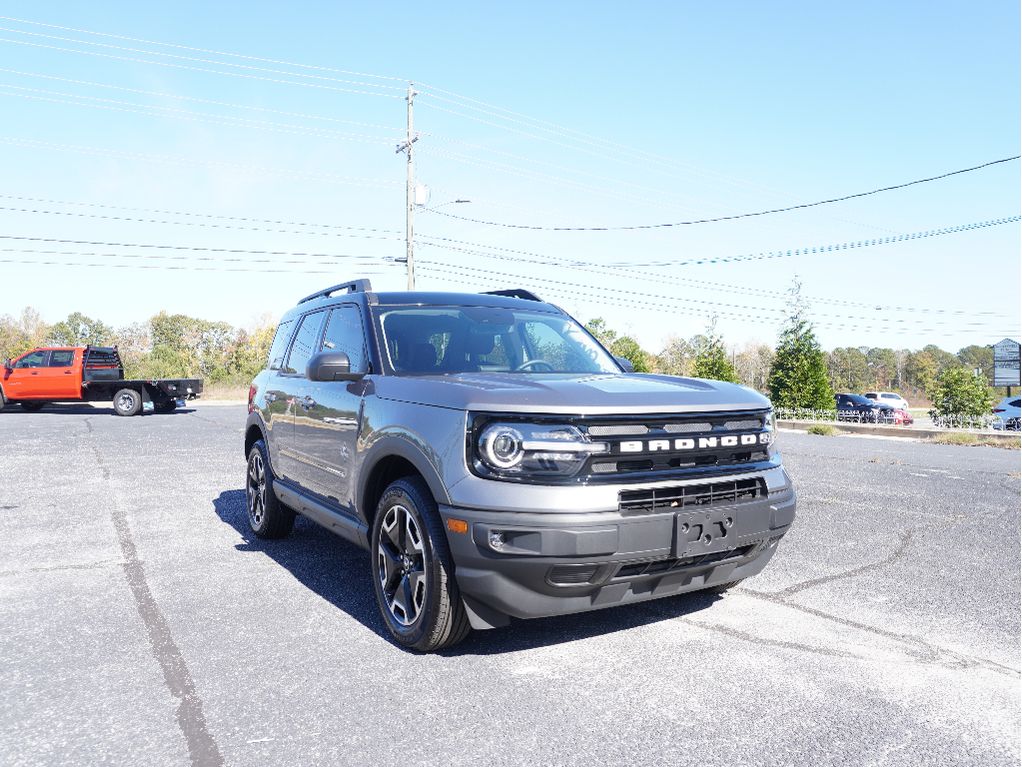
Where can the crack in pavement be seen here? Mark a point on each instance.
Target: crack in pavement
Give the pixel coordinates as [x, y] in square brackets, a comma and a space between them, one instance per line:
[202, 748]
[894, 556]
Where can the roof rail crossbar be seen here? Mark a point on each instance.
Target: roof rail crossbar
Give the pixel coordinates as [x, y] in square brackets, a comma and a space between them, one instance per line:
[355, 286]
[528, 295]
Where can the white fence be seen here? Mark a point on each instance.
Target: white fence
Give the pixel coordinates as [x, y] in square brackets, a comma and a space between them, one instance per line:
[956, 421]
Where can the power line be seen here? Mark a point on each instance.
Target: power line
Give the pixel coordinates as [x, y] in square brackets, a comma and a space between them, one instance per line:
[200, 50]
[162, 267]
[213, 216]
[181, 97]
[666, 303]
[206, 70]
[714, 305]
[229, 121]
[199, 60]
[172, 160]
[735, 216]
[516, 255]
[185, 248]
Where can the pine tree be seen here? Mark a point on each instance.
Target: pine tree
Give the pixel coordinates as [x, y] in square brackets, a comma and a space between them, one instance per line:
[798, 377]
[711, 358]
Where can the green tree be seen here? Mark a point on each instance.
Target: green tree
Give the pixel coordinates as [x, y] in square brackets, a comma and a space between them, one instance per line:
[798, 377]
[752, 364]
[981, 357]
[676, 357]
[621, 346]
[848, 369]
[19, 335]
[79, 330]
[711, 359]
[883, 367]
[958, 391]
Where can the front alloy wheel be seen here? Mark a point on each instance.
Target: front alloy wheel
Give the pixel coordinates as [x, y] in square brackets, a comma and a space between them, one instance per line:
[400, 565]
[413, 571]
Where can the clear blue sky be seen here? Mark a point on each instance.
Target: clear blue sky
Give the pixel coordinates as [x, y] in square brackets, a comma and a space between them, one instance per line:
[542, 114]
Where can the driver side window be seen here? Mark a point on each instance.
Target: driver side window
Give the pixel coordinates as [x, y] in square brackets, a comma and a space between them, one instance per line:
[33, 360]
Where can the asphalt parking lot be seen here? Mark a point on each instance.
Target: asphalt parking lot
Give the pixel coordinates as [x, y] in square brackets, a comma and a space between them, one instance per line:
[142, 624]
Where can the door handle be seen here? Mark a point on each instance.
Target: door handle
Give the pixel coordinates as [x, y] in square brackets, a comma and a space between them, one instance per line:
[307, 402]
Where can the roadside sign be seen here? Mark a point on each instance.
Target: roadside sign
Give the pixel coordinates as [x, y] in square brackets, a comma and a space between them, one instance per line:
[1006, 363]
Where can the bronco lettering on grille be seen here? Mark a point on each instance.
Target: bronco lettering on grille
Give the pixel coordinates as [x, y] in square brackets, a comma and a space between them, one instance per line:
[684, 443]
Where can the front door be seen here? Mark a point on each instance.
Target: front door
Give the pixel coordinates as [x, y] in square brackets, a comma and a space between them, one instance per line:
[329, 413]
[25, 381]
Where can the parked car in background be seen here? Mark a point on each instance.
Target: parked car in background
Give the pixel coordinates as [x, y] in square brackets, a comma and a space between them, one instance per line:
[855, 407]
[1008, 414]
[891, 398]
[902, 417]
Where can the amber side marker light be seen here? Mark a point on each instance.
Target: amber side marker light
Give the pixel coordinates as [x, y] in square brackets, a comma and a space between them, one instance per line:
[457, 526]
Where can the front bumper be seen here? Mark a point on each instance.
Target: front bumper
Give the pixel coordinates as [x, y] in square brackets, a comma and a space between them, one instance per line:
[553, 563]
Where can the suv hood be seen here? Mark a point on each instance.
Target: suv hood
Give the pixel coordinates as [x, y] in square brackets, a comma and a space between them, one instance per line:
[603, 394]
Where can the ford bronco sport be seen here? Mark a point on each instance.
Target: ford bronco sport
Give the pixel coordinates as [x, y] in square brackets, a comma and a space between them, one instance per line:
[499, 463]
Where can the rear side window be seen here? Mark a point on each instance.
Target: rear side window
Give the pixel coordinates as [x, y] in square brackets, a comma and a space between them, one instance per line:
[871, 394]
[344, 334]
[1015, 402]
[279, 345]
[890, 396]
[305, 344]
[61, 359]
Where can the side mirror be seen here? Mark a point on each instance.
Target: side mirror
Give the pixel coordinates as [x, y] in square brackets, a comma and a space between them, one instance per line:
[7, 364]
[331, 366]
[626, 364]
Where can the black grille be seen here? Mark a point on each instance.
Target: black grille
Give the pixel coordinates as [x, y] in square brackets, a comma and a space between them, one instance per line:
[725, 493]
[675, 444]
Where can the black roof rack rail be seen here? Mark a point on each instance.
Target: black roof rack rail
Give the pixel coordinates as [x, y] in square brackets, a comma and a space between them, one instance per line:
[355, 286]
[528, 295]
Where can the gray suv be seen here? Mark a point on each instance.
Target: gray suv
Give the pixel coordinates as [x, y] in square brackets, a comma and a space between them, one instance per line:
[499, 463]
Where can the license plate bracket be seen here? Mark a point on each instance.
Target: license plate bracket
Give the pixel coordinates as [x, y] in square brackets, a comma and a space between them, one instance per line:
[704, 532]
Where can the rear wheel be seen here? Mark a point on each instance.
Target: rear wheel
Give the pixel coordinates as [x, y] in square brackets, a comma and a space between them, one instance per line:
[127, 402]
[32, 407]
[267, 516]
[166, 406]
[412, 570]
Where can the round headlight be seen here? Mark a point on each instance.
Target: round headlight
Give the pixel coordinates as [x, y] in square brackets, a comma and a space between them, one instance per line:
[500, 446]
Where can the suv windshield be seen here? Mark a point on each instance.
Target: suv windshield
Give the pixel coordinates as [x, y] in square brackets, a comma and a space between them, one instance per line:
[461, 339]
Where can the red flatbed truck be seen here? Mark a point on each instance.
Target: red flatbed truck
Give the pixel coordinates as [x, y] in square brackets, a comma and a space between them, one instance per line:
[88, 374]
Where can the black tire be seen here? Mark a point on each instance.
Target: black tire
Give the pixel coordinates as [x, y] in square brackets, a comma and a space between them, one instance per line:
[32, 407]
[267, 516]
[413, 572]
[3, 399]
[166, 406]
[127, 402]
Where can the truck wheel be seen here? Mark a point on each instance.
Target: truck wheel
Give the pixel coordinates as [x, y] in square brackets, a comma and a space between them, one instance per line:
[267, 516]
[166, 406]
[412, 570]
[32, 407]
[127, 402]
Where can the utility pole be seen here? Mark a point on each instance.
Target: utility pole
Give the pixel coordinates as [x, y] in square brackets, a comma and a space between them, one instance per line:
[406, 146]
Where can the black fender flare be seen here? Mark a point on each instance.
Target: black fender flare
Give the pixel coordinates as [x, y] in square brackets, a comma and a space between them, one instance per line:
[394, 445]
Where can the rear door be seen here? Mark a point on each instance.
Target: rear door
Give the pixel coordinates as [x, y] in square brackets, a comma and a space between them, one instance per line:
[293, 389]
[328, 416]
[60, 375]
